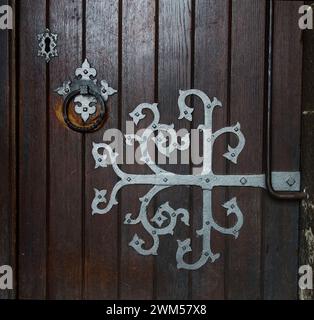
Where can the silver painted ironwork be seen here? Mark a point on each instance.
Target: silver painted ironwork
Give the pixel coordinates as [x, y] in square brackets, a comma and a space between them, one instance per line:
[47, 42]
[166, 217]
[86, 93]
[85, 106]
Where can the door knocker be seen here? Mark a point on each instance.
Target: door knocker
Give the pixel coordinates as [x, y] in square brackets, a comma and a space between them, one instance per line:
[89, 99]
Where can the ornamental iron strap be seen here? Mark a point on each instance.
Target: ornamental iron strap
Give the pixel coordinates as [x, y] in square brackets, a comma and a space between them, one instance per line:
[165, 218]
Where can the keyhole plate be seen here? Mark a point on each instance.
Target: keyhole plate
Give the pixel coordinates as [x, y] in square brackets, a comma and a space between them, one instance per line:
[47, 42]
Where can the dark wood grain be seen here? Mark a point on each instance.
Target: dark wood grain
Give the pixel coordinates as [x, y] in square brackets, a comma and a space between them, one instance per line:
[32, 154]
[7, 151]
[280, 218]
[65, 162]
[148, 50]
[307, 213]
[174, 74]
[246, 107]
[101, 232]
[138, 44]
[211, 76]
[307, 220]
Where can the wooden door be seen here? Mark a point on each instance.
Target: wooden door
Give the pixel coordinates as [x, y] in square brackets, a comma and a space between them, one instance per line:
[148, 50]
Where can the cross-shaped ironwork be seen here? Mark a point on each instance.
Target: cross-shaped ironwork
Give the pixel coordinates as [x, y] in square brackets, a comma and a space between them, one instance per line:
[165, 218]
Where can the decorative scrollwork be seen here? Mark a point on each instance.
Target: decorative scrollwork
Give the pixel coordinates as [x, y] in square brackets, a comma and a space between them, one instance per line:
[166, 217]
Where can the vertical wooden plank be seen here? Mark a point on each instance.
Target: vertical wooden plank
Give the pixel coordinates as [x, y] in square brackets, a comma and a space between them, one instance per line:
[307, 217]
[7, 151]
[281, 219]
[211, 76]
[101, 233]
[32, 154]
[307, 213]
[174, 73]
[138, 41]
[65, 163]
[246, 107]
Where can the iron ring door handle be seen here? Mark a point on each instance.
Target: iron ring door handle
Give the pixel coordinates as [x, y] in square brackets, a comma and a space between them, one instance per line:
[85, 129]
[89, 99]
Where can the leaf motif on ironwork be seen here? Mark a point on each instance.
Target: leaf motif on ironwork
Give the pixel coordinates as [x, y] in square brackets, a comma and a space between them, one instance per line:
[86, 72]
[106, 91]
[65, 89]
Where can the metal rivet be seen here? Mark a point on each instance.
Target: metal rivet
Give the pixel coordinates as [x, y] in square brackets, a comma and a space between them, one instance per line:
[207, 222]
[85, 109]
[129, 179]
[209, 106]
[291, 181]
[165, 180]
[174, 214]
[185, 112]
[154, 232]
[233, 155]
[99, 159]
[236, 129]
[207, 180]
[206, 254]
[137, 243]
[137, 114]
[129, 221]
[243, 181]
[99, 197]
[85, 71]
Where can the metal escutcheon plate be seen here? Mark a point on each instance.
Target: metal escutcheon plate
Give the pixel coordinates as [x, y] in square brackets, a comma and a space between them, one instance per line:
[84, 106]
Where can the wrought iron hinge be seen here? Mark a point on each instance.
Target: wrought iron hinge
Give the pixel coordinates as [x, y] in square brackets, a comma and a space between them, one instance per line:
[166, 217]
